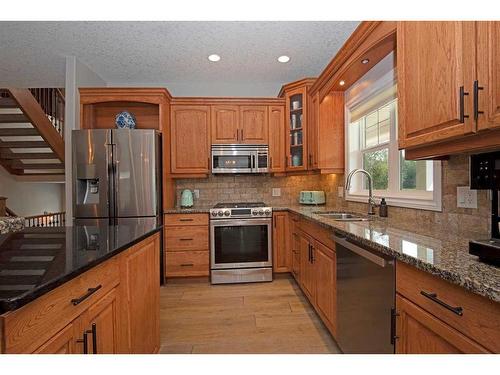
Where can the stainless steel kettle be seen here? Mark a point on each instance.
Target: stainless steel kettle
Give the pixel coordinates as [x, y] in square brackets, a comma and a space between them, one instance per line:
[187, 198]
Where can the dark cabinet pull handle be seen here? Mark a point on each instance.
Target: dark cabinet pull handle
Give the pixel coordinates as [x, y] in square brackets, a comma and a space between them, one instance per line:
[477, 112]
[462, 95]
[312, 254]
[93, 331]
[433, 297]
[185, 239]
[187, 265]
[394, 337]
[85, 343]
[183, 219]
[90, 291]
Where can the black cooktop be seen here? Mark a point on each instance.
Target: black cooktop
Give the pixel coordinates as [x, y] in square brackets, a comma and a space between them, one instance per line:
[240, 205]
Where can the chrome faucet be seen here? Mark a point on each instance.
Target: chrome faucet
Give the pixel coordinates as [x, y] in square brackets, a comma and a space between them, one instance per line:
[371, 201]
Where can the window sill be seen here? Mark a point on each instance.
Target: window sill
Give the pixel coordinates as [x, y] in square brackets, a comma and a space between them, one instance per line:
[407, 202]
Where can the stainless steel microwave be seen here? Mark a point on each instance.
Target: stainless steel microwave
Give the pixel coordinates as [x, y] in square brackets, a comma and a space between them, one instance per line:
[236, 158]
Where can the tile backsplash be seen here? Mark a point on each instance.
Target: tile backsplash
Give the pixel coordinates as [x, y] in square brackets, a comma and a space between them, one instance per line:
[455, 172]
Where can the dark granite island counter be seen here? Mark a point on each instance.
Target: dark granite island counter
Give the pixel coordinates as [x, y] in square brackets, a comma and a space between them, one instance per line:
[54, 275]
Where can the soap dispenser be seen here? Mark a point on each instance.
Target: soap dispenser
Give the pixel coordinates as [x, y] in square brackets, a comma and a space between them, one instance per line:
[186, 198]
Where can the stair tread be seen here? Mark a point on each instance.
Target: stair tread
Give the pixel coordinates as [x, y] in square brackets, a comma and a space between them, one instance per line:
[14, 118]
[27, 155]
[24, 144]
[10, 132]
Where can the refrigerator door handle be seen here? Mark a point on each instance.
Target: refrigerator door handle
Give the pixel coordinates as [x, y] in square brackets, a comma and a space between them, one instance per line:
[111, 178]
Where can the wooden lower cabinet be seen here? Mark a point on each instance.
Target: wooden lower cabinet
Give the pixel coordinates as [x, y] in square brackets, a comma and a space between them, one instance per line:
[186, 245]
[122, 316]
[419, 332]
[306, 266]
[63, 342]
[282, 255]
[325, 267]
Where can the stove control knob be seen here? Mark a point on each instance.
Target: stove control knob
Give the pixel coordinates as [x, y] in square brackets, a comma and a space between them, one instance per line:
[254, 213]
[261, 212]
[267, 212]
[227, 213]
[220, 213]
[214, 213]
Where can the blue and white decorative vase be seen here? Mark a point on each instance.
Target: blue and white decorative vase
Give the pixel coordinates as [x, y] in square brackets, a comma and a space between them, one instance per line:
[125, 120]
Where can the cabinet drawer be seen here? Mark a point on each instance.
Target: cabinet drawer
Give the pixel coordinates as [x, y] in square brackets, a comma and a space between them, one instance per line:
[187, 263]
[479, 319]
[32, 325]
[186, 238]
[186, 219]
[317, 232]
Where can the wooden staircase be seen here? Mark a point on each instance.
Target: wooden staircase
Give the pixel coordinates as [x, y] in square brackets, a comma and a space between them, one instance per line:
[32, 132]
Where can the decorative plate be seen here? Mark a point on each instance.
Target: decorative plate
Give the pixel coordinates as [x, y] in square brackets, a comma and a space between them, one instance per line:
[125, 120]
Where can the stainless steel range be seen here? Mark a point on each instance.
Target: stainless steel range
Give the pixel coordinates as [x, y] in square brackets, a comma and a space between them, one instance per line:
[241, 243]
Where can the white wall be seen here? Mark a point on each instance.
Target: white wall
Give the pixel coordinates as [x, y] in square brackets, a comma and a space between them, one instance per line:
[77, 75]
[31, 198]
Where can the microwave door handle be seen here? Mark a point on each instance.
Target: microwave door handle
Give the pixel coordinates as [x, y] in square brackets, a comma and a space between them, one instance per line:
[253, 162]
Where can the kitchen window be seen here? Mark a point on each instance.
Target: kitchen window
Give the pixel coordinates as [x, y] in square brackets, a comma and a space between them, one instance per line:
[372, 144]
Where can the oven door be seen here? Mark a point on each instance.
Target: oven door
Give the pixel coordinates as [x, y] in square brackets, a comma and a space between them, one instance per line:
[240, 243]
[233, 161]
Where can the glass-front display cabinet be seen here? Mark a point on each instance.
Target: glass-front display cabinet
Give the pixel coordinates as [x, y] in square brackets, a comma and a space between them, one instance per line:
[296, 124]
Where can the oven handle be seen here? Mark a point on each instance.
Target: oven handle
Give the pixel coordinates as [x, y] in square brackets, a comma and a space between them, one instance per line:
[240, 222]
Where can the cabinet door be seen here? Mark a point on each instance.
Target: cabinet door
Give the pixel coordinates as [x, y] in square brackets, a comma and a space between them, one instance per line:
[101, 320]
[330, 133]
[296, 133]
[313, 132]
[277, 138]
[306, 268]
[488, 74]
[282, 257]
[325, 276]
[190, 138]
[141, 284]
[63, 342]
[225, 124]
[254, 125]
[434, 60]
[419, 332]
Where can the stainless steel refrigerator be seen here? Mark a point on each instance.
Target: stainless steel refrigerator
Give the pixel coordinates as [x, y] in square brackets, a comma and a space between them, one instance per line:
[116, 174]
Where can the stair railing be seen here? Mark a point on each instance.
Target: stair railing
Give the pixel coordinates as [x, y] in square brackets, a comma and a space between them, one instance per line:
[52, 102]
[54, 219]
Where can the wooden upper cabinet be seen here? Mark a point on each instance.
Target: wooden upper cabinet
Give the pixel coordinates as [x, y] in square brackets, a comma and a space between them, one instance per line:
[434, 61]
[488, 74]
[254, 125]
[313, 129]
[190, 139]
[329, 134]
[277, 138]
[225, 124]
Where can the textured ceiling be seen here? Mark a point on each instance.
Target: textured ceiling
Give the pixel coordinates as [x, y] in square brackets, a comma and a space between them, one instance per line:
[172, 54]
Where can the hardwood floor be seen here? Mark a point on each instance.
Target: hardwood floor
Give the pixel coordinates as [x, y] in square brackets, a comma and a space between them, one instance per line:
[197, 317]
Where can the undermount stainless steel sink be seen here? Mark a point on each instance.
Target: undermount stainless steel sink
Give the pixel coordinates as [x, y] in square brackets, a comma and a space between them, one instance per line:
[342, 216]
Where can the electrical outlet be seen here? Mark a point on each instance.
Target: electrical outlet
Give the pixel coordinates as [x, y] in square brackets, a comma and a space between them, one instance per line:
[276, 192]
[466, 198]
[340, 191]
[196, 193]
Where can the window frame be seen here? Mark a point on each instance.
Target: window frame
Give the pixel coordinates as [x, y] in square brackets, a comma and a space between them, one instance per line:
[394, 196]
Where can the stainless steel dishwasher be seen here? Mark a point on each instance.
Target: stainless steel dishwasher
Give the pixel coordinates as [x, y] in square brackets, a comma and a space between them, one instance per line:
[365, 298]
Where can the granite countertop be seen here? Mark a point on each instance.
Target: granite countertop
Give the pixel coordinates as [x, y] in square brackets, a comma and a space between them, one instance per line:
[444, 254]
[35, 261]
[11, 224]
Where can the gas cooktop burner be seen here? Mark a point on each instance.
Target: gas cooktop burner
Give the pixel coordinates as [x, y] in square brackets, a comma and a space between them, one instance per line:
[240, 205]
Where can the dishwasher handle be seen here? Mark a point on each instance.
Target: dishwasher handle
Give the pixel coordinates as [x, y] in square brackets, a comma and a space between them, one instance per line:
[343, 241]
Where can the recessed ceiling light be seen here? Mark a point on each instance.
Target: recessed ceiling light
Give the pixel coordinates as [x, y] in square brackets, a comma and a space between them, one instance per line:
[283, 59]
[365, 61]
[342, 83]
[214, 57]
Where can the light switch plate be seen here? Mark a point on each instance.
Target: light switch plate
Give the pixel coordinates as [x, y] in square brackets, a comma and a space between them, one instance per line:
[276, 192]
[340, 191]
[466, 197]
[196, 193]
